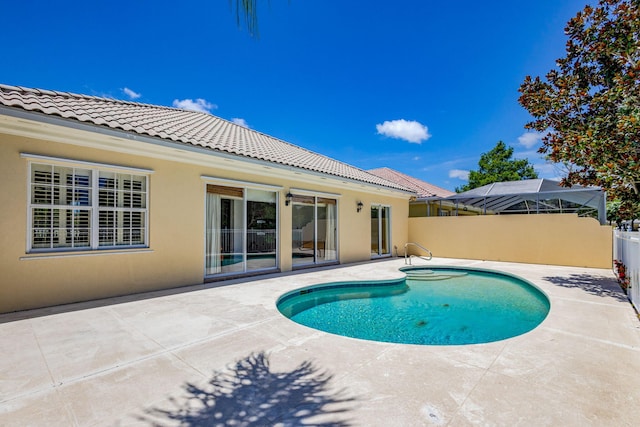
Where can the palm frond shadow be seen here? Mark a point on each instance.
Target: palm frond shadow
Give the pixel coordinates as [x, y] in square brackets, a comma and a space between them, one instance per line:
[594, 285]
[251, 394]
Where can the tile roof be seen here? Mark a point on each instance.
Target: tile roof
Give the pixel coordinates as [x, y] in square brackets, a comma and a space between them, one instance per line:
[182, 127]
[422, 188]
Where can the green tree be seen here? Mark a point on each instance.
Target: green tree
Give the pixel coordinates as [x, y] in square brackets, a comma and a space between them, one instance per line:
[589, 105]
[498, 165]
[613, 212]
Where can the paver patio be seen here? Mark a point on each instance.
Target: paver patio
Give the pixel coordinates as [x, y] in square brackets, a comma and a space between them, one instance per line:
[221, 354]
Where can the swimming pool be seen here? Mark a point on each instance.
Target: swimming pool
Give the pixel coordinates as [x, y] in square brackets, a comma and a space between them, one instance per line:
[431, 306]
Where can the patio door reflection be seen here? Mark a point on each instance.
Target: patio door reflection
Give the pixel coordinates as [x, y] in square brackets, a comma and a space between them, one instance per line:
[314, 230]
[380, 230]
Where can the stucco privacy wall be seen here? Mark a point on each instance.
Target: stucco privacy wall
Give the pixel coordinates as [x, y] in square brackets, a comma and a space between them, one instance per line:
[554, 239]
[176, 226]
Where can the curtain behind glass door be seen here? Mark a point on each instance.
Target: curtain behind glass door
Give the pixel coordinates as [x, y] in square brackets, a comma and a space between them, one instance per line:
[232, 236]
[303, 230]
[380, 230]
[213, 261]
[327, 229]
[384, 230]
[375, 230]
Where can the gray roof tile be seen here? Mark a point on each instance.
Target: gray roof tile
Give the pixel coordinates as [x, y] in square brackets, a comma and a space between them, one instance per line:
[182, 126]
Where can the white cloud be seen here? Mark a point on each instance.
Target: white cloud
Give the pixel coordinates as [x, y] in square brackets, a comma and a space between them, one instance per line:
[546, 170]
[529, 139]
[197, 105]
[549, 170]
[240, 122]
[459, 173]
[411, 131]
[416, 158]
[131, 94]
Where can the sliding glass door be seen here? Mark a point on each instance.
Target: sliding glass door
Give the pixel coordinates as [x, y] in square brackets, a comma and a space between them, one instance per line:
[380, 230]
[314, 230]
[261, 230]
[241, 230]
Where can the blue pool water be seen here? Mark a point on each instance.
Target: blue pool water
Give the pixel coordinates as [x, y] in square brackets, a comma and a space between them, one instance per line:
[435, 306]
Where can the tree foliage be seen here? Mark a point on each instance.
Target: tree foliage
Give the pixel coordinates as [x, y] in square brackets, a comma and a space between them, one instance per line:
[589, 105]
[498, 165]
[247, 11]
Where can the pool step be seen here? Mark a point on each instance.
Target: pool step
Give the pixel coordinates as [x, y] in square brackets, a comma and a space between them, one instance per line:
[431, 275]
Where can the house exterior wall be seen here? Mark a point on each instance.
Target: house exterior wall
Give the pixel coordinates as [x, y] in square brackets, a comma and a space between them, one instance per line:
[175, 256]
[555, 239]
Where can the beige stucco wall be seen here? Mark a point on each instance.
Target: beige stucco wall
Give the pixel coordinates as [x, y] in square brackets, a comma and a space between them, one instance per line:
[42, 279]
[558, 239]
[176, 227]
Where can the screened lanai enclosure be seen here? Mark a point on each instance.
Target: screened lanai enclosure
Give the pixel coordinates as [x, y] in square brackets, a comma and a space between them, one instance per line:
[531, 196]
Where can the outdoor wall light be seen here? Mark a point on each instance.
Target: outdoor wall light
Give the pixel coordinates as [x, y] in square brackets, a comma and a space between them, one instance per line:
[288, 198]
[359, 206]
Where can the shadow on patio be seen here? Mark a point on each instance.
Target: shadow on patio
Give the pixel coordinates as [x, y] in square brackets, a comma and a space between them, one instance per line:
[594, 285]
[250, 394]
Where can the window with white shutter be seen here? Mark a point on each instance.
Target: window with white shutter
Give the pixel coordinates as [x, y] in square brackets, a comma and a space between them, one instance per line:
[78, 208]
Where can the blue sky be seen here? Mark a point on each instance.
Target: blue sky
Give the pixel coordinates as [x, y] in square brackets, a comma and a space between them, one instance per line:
[423, 87]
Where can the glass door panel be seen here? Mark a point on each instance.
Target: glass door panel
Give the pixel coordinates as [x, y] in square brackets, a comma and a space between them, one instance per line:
[303, 231]
[261, 230]
[213, 236]
[326, 234]
[375, 230]
[384, 231]
[380, 230]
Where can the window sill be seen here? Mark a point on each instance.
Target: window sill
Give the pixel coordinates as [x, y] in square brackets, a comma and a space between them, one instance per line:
[49, 255]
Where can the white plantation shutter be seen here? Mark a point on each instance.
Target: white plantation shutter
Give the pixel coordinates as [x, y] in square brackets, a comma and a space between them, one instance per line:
[85, 208]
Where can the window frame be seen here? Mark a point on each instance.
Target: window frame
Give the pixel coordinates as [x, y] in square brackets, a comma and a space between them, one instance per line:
[97, 172]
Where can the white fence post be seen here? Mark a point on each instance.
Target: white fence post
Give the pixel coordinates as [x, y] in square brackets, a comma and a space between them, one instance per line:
[626, 249]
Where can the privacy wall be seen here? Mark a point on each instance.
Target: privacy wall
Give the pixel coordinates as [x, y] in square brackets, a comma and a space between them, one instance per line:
[554, 239]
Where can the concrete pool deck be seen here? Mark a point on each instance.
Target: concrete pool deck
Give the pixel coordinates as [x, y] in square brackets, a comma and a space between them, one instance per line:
[221, 354]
